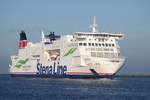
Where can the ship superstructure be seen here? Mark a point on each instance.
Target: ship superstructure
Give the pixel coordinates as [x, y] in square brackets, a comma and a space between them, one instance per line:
[81, 55]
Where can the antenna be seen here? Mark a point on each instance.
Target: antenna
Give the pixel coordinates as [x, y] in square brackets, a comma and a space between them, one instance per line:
[94, 20]
[43, 36]
[94, 26]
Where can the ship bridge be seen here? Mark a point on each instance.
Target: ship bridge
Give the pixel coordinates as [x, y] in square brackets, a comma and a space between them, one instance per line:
[98, 44]
[98, 34]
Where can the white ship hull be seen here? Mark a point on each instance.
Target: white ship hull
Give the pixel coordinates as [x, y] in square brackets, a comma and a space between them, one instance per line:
[106, 68]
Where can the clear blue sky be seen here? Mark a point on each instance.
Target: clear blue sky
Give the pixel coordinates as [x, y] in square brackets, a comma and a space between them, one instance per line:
[131, 17]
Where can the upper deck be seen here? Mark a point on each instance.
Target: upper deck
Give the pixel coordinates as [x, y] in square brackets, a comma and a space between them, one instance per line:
[98, 34]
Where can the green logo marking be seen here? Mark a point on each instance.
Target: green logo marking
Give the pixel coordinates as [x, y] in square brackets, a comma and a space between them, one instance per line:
[71, 51]
[21, 62]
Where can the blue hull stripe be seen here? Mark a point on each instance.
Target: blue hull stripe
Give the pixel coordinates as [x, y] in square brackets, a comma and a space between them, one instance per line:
[60, 76]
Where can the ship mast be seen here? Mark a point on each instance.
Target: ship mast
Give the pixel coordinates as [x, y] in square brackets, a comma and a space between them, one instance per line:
[94, 26]
[42, 36]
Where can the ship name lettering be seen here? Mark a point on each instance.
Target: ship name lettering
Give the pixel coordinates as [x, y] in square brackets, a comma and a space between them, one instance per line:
[52, 70]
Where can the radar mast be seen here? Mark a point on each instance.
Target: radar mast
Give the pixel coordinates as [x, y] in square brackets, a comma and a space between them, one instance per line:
[94, 26]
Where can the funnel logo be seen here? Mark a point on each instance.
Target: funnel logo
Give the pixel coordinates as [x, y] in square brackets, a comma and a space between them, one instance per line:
[21, 62]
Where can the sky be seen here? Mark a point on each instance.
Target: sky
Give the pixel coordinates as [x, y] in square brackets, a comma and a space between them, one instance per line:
[129, 17]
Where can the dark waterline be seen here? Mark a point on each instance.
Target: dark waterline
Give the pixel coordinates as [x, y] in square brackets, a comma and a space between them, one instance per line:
[123, 88]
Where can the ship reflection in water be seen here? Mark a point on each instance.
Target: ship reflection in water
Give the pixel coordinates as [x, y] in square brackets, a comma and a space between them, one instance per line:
[120, 88]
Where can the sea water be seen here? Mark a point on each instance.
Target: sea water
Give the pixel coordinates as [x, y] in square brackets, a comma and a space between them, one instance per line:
[119, 88]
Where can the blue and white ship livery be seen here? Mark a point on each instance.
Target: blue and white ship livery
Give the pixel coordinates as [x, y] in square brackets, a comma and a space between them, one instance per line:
[81, 55]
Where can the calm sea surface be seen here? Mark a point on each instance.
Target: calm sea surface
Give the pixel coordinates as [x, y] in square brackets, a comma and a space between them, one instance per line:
[119, 88]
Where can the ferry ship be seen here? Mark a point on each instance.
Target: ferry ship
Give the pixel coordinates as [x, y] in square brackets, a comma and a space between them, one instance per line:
[91, 54]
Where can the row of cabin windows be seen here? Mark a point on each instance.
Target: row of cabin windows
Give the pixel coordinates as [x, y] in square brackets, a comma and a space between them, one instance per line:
[97, 44]
[107, 55]
[99, 49]
[98, 39]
